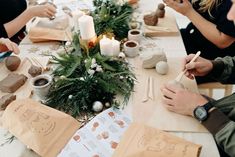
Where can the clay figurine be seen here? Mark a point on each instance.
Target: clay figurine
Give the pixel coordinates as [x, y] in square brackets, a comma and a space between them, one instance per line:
[12, 63]
[151, 19]
[160, 10]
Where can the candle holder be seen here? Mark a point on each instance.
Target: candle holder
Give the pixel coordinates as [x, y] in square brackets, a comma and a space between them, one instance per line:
[87, 44]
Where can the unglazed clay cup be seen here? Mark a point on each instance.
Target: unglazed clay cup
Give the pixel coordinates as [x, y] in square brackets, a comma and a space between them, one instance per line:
[135, 35]
[131, 48]
[41, 85]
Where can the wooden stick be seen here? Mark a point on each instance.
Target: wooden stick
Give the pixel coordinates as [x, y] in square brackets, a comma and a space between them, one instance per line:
[31, 61]
[37, 62]
[179, 77]
[146, 90]
[151, 88]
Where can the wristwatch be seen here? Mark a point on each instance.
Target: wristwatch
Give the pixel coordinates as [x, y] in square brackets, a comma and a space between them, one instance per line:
[201, 112]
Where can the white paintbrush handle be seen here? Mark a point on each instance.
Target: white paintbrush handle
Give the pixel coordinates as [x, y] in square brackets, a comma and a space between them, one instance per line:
[195, 57]
[179, 77]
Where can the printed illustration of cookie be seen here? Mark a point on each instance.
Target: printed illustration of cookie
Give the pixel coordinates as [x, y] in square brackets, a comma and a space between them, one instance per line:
[113, 144]
[95, 125]
[105, 135]
[77, 138]
[120, 123]
[111, 114]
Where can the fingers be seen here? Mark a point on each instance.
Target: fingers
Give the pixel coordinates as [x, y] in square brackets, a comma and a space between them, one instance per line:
[173, 87]
[11, 46]
[189, 75]
[168, 104]
[170, 3]
[50, 10]
[16, 49]
[186, 60]
[169, 94]
[189, 58]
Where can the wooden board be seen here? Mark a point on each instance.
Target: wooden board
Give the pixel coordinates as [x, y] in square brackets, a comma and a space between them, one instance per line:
[152, 112]
[25, 90]
[166, 26]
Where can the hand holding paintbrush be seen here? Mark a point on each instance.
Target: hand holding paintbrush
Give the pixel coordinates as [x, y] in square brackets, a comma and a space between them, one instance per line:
[178, 78]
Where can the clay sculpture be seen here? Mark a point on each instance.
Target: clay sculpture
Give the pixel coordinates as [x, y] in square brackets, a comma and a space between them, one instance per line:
[160, 10]
[151, 19]
[151, 59]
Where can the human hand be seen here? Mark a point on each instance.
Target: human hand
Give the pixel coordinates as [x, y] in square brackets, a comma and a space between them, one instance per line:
[200, 67]
[184, 8]
[45, 10]
[7, 45]
[180, 100]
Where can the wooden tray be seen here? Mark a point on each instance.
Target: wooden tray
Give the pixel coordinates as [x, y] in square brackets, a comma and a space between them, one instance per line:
[166, 26]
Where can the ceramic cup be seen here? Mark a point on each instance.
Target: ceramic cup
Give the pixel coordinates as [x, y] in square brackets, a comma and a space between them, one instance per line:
[41, 85]
[135, 34]
[131, 48]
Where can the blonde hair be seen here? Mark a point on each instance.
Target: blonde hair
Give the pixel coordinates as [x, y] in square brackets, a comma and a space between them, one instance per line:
[207, 5]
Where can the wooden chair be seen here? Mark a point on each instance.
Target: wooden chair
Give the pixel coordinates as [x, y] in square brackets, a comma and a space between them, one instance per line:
[215, 85]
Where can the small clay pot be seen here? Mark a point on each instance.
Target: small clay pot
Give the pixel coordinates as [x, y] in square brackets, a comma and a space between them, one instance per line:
[161, 6]
[160, 13]
[12, 63]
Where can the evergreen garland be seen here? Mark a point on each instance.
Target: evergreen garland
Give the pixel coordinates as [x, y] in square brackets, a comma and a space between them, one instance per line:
[110, 17]
[84, 76]
[80, 81]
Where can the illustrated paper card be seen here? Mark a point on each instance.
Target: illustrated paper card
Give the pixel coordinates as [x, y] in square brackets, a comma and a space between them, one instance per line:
[43, 129]
[100, 137]
[144, 141]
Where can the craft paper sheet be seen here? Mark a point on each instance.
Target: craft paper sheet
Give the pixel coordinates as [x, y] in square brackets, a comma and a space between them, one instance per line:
[99, 137]
[145, 141]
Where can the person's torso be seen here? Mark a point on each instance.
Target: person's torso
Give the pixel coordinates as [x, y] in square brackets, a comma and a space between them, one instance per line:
[10, 9]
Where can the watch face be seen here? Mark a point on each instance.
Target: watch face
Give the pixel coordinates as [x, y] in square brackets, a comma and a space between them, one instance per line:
[200, 113]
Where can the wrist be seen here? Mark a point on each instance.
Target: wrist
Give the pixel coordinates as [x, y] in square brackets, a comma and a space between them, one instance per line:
[200, 101]
[190, 13]
[30, 12]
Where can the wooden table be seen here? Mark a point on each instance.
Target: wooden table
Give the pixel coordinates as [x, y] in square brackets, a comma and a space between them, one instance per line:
[174, 48]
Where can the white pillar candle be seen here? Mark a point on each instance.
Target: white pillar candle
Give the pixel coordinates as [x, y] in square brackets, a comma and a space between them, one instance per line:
[86, 26]
[106, 46]
[115, 47]
[76, 15]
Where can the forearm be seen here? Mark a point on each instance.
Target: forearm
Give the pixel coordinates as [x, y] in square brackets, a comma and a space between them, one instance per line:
[223, 70]
[219, 123]
[209, 30]
[223, 131]
[18, 23]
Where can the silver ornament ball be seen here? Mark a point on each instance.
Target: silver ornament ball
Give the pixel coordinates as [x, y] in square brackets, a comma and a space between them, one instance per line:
[107, 104]
[97, 106]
